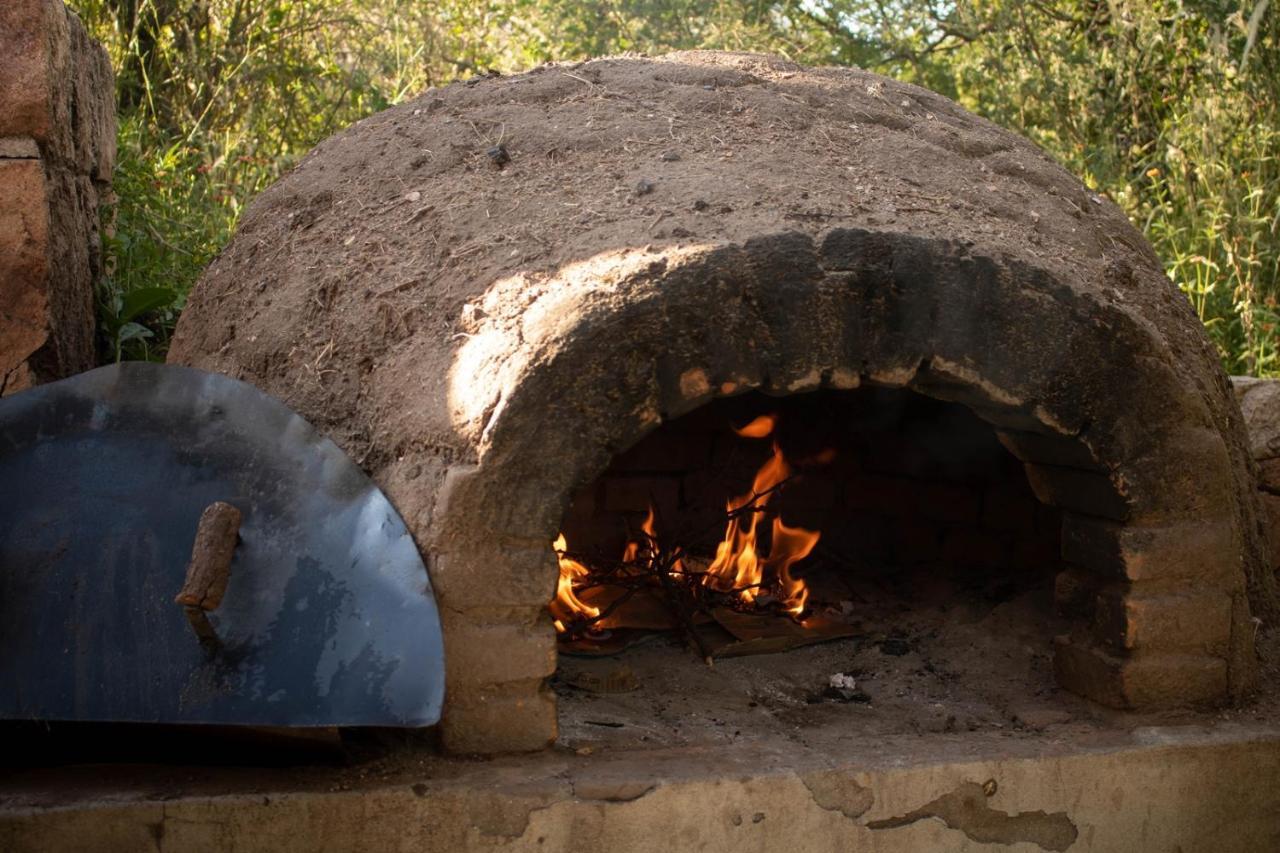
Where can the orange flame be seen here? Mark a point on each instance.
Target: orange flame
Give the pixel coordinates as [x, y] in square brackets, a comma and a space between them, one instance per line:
[761, 427]
[632, 551]
[738, 567]
[567, 606]
[790, 545]
[738, 564]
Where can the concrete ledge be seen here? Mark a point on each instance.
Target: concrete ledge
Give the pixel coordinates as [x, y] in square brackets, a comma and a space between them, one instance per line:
[1186, 788]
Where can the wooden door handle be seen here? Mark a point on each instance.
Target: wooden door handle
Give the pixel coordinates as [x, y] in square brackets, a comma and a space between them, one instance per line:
[210, 568]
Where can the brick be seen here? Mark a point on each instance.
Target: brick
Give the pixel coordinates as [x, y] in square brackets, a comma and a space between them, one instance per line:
[57, 87]
[896, 454]
[810, 492]
[1196, 623]
[1075, 594]
[1043, 449]
[24, 263]
[1008, 507]
[57, 148]
[947, 502]
[1034, 552]
[1147, 682]
[887, 495]
[512, 717]
[494, 647]
[635, 494]
[1203, 551]
[974, 547]
[1074, 489]
[494, 577]
[35, 40]
[916, 541]
[1048, 520]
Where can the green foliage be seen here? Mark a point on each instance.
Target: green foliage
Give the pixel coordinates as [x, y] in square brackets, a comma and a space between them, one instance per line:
[1170, 107]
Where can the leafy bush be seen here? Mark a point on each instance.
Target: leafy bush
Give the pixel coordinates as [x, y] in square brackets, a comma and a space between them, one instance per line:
[1170, 107]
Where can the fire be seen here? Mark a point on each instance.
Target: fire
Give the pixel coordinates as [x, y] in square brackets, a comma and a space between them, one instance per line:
[761, 427]
[740, 567]
[632, 551]
[567, 606]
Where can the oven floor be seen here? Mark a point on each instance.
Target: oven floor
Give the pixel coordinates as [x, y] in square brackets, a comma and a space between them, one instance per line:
[954, 661]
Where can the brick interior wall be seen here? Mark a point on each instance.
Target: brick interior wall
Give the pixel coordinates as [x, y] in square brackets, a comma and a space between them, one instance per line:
[915, 483]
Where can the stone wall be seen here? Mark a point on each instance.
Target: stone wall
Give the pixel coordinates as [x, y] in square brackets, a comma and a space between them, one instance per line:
[57, 149]
[1260, 403]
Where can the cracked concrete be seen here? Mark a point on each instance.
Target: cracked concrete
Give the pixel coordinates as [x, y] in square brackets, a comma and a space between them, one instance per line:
[966, 809]
[836, 792]
[1156, 789]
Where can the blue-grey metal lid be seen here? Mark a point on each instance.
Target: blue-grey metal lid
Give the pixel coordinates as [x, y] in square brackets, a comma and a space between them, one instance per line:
[328, 618]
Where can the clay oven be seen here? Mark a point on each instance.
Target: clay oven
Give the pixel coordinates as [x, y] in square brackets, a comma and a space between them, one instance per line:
[490, 295]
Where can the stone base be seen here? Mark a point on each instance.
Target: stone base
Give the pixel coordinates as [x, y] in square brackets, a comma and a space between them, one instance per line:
[1186, 788]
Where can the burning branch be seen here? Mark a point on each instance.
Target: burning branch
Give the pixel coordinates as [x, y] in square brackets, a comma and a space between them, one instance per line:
[738, 576]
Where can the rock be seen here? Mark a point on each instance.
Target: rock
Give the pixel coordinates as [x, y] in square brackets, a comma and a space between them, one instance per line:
[57, 150]
[843, 687]
[498, 155]
[1260, 403]
[1269, 475]
[1271, 521]
[895, 646]
[1035, 717]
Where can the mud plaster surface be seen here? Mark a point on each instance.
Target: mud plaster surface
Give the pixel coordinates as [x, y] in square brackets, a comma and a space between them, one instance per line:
[354, 284]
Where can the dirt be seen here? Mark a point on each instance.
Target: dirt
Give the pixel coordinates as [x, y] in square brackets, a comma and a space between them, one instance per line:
[937, 661]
